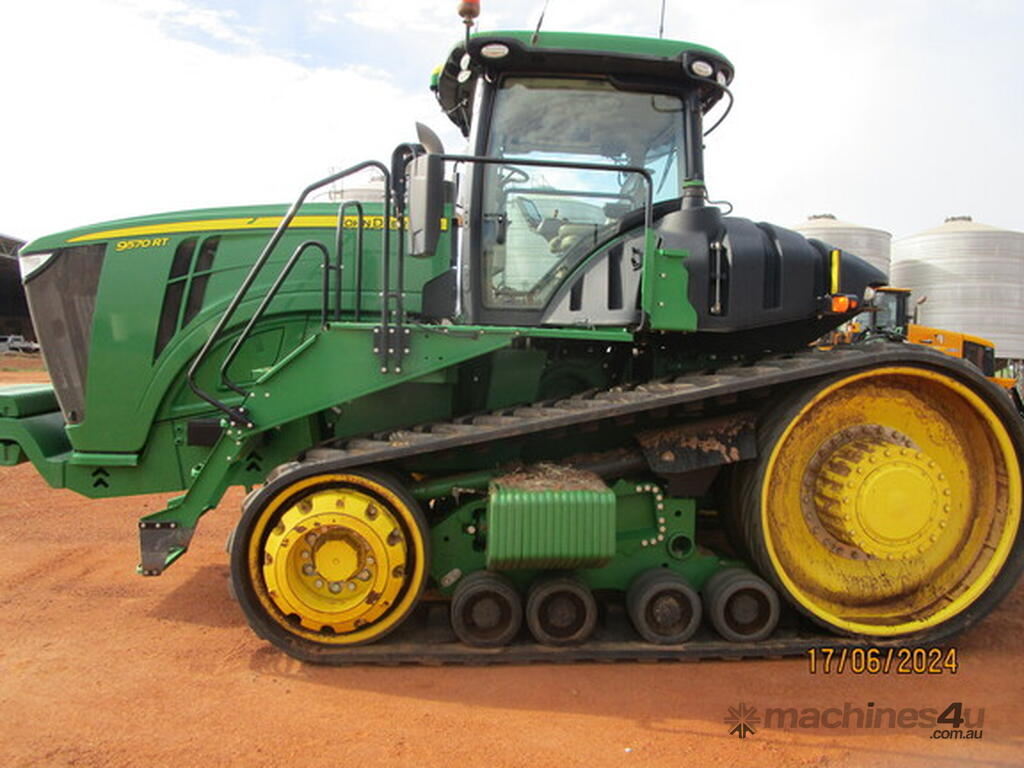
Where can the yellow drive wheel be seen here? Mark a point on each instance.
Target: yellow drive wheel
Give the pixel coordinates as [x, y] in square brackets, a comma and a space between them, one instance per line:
[329, 560]
[887, 502]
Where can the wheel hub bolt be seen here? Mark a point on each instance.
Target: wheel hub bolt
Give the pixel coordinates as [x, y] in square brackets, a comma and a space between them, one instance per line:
[335, 587]
[308, 569]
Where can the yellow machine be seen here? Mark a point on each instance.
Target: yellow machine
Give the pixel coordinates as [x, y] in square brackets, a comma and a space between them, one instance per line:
[890, 316]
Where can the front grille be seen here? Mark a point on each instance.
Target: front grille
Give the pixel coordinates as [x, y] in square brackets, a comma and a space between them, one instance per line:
[62, 299]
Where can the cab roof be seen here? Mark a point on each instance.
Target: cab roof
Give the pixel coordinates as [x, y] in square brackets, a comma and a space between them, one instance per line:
[578, 53]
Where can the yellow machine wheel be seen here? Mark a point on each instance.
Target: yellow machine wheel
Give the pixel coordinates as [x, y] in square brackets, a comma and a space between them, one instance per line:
[330, 560]
[887, 502]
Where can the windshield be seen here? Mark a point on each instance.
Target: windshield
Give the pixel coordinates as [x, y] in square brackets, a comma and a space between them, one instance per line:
[539, 221]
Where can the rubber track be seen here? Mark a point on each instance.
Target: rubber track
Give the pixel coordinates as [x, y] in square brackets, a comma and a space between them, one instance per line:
[429, 641]
[609, 404]
[426, 639]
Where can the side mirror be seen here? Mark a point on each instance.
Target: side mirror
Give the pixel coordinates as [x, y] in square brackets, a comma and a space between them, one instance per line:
[425, 185]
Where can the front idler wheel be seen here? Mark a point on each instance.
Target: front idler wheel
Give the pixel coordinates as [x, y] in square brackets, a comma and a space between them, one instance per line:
[663, 607]
[327, 561]
[486, 610]
[561, 611]
[887, 502]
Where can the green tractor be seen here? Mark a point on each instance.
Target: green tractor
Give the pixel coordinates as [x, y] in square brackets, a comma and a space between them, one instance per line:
[545, 399]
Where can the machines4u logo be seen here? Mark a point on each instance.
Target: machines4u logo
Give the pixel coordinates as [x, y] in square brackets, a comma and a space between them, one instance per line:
[743, 720]
[953, 721]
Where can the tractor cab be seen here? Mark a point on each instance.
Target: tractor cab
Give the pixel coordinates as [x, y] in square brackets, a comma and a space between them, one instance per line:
[582, 200]
[888, 311]
[595, 129]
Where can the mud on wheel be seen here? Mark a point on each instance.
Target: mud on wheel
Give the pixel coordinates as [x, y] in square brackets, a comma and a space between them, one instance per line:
[887, 502]
[329, 561]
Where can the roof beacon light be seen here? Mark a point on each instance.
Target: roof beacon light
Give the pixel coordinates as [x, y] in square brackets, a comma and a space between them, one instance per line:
[469, 10]
[702, 69]
[494, 51]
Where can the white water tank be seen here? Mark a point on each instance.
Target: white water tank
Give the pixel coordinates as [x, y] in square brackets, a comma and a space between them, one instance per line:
[872, 245]
[973, 277]
[361, 189]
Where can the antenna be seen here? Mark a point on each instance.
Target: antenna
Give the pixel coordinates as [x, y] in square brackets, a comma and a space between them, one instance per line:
[536, 32]
[469, 10]
[661, 28]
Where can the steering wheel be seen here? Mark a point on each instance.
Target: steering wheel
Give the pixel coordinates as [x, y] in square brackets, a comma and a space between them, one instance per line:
[512, 173]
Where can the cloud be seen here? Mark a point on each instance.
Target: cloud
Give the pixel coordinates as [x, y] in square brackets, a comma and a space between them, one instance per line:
[891, 114]
[118, 118]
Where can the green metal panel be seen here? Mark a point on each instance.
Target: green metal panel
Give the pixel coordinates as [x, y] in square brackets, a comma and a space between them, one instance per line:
[129, 386]
[11, 454]
[550, 529]
[666, 290]
[646, 537]
[22, 400]
[40, 438]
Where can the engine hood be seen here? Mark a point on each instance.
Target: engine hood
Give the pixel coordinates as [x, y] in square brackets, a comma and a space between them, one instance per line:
[252, 217]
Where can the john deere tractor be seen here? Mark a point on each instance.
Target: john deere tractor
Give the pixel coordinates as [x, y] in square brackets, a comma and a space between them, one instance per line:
[544, 401]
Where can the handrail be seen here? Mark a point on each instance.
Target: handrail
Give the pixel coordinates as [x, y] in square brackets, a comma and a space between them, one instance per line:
[388, 340]
[639, 170]
[272, 292]
[340, 250]
[239, 415]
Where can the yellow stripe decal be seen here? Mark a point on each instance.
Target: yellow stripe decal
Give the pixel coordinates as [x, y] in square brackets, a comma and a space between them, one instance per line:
[835, 272]
[252, 222]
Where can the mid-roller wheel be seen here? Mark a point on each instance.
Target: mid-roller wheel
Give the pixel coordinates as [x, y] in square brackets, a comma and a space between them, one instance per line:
[663, 607]
[741, 606]
[486, 610]
[561, 610]
[326, 561]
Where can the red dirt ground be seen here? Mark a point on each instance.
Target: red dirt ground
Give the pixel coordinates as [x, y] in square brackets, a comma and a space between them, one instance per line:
[100, 667]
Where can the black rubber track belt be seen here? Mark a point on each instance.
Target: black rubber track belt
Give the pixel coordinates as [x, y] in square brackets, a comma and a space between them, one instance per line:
[426, 637]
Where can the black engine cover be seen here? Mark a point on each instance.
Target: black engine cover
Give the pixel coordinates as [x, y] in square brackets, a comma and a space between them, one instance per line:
[764, 285]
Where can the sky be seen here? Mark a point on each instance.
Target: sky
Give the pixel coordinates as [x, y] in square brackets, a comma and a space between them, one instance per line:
[888, 114]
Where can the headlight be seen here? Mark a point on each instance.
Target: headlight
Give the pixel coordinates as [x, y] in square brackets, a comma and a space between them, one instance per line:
[30, 263]
[702, 69]
[494, 51]
[869, 294]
